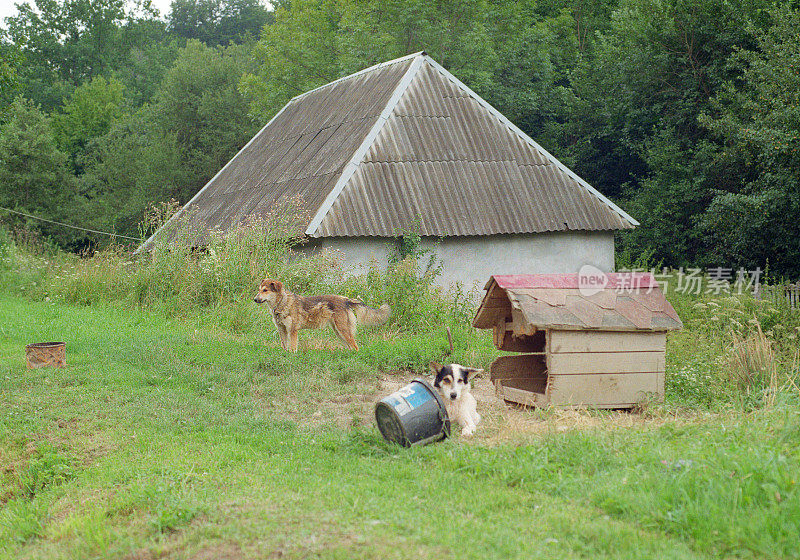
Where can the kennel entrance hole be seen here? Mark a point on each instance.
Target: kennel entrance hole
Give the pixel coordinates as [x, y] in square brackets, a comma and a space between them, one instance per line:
[521, 379]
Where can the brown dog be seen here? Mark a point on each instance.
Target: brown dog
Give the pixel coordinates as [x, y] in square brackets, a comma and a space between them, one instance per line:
[292, 312]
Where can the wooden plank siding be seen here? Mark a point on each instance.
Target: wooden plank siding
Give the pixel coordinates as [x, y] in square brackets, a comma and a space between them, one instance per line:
[609, 390]
[606, 350]
[606, 362]
[605, 369]
[604, 341]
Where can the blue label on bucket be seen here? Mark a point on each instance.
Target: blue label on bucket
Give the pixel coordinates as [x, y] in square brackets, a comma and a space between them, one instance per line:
[418, 397]
[408, 398]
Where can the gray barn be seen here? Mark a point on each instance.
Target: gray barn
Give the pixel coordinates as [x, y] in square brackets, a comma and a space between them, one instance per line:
[405, 144]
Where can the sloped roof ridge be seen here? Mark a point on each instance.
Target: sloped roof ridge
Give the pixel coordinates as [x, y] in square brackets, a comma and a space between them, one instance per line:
[358, 157]
[530, 141]
[148, 242]
[364, 71]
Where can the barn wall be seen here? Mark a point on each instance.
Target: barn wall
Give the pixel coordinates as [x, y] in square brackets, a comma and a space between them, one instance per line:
[471, 260]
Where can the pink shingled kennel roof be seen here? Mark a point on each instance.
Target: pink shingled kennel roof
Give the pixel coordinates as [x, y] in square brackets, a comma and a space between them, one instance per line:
[616, 280]
[612, 301]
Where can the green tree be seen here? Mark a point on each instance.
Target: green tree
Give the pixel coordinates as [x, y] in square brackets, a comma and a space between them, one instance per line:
[10, 61]
[530, 78]
[755, 215]
[171, 147]
[131, 166]
[218, 22]
[589, 17]
[297, 53]
[486, 44]
[66, 42]
[34, 177]
[635, 120]
[88, 115]
[200, 106]
[147, 53]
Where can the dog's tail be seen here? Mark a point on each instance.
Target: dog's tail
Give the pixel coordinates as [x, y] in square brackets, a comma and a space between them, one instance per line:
[366, 315]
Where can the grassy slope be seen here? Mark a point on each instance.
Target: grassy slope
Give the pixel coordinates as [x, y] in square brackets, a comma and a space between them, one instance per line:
[173, 438]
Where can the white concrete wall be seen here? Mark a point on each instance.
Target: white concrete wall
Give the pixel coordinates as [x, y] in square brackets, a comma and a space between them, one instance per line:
[471, 260]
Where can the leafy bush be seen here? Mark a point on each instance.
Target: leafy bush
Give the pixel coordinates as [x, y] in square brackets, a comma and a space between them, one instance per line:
[417, 302]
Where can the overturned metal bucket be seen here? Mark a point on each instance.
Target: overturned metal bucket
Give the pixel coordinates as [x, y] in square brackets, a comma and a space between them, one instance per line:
[413, 415]
[46, 354]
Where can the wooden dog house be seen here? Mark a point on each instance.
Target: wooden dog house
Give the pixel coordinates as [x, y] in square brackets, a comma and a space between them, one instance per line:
[599, 346]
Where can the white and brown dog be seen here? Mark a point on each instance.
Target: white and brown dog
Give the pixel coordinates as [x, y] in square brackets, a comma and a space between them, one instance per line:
[453, 383]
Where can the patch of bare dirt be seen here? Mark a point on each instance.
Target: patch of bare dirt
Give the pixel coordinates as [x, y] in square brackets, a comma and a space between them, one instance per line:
[80, 438]
[501, 421]
[219, 551]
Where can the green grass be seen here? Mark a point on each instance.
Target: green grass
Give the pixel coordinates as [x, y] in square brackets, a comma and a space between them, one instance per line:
[178, 438]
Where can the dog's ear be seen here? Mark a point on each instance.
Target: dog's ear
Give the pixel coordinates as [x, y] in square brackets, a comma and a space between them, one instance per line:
[435, 367]
[472, 373]
[276, 286]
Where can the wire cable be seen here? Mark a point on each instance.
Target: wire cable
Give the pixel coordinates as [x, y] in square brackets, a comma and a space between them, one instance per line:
[70, 226]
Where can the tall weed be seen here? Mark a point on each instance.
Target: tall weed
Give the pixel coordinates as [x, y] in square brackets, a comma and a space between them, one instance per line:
[180, 279]
[752, 366]
[6, 250]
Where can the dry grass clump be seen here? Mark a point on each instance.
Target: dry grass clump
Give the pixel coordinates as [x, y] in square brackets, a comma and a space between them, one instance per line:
[752, 365]
[791, 381]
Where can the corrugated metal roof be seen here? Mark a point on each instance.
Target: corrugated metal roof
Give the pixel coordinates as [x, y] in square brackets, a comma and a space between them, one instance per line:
[627, 302]
[398, 144]
[446, 165]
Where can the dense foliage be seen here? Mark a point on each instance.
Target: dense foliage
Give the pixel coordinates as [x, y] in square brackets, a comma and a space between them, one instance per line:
[682, 111]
